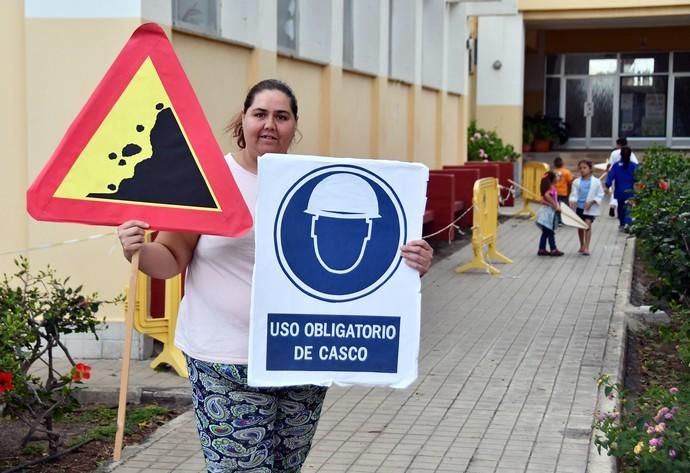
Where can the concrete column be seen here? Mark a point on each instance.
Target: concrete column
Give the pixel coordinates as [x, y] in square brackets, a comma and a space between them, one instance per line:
[500, 76]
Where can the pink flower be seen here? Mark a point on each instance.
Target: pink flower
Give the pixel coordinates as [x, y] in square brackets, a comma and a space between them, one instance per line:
[482, 153]
[477, 136]
[656, 442]
[673, 390]
[668, 416]
[664, 185]
[672, 453]
[660, 428]
[650, 430]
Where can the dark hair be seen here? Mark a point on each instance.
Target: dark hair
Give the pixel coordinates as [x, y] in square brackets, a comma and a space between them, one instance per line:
[585, 161]
[546, 181]
[625, 156]
[622, 141]
[235, 125]
[558, 162]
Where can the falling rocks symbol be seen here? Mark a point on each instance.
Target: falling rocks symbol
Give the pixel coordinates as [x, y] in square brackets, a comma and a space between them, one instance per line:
[169, 176]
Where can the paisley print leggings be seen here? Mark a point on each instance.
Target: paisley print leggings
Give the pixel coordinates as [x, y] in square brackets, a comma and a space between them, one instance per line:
[252, 430]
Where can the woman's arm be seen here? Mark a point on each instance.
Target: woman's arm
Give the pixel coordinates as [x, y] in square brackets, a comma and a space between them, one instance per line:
[163, 258]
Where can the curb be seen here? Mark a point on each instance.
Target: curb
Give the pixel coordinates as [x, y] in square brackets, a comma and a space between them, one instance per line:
[614, 356]
[132, 451]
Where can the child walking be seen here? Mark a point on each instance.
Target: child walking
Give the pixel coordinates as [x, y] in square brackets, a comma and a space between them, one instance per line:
[547, 215]
[585, 199]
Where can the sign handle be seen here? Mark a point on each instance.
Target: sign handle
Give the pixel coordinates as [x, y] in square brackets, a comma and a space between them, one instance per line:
[126, 355]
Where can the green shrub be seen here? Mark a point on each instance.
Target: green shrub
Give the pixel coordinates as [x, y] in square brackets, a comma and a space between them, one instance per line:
[661, 215]
[483, 145]
[36, 310]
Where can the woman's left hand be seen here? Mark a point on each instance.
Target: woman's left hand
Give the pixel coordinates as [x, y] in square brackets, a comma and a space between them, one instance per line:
[417, 255]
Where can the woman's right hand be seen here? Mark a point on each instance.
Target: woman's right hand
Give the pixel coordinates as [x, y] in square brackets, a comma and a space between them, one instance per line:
[131, 235]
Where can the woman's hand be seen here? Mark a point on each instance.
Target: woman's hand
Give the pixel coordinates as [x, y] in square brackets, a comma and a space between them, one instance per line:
[417, 255]
[131, 235]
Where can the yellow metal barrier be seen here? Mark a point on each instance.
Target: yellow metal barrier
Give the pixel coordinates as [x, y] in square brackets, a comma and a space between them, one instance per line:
[532, 173]
[162, 328]
[484, 226]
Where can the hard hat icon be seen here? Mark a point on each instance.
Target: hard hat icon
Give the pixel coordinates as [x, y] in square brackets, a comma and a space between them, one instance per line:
[343, 195]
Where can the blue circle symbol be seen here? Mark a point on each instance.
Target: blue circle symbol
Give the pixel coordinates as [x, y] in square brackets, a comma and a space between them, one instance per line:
[338, 233]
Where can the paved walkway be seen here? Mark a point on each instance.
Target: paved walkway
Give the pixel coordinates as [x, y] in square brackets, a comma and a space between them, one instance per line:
[506, 381]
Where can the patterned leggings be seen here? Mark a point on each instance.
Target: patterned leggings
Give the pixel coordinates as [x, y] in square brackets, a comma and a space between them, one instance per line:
[253, 430]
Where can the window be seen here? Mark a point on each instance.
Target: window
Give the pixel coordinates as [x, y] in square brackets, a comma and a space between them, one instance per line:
[288, 17]
[196, 15]
[643, 106]
[348, 34]
[644, 63]
[590, 64]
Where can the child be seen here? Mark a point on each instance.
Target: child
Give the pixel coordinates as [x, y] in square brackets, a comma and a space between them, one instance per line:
[546, 216]
[613, 159]
[563, 182]
[623, 175]
[585, 199]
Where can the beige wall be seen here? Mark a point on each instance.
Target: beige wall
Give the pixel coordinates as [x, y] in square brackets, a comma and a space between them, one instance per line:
[218, 73]
[354, 117]
[425, 130]
[13, 131]
[394, 122]
[505, 120]
[305, 80]
[57, 63]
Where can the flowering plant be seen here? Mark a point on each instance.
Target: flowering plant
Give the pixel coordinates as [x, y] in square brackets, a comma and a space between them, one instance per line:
[662, 223]
[483, 145]
[653, 437]
[36, 310]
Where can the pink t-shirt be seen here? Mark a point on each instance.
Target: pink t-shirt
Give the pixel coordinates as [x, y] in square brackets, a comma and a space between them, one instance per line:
[213, 321]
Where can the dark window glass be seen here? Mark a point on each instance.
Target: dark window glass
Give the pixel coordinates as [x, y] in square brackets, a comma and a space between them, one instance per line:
[553, 96]
[553, 64]
[591, 64]
[643, 106]
[681, 62]
[681, 103]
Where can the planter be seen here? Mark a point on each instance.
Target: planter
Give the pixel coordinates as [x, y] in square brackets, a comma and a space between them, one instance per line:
[541, 146]
[526, 147]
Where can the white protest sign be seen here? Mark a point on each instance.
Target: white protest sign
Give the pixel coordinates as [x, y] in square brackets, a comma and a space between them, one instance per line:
[332, 300]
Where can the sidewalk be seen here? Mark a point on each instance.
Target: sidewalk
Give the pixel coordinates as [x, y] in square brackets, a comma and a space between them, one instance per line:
[507, 372]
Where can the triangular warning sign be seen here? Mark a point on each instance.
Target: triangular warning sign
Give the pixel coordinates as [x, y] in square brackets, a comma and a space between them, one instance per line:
[141, 148]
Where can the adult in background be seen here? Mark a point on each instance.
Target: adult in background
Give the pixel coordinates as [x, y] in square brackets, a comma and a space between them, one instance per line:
[622, 174]
[241, 428]
[614, 157]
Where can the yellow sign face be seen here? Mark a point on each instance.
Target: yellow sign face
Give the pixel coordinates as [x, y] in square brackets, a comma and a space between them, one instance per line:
[122, 141]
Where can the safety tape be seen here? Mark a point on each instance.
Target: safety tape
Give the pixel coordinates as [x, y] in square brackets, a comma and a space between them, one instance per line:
[61, 243]
[452, 224]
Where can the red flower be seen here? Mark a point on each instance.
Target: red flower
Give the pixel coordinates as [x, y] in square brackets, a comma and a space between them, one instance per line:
[664, 185]
[81, 371]
[5, 382]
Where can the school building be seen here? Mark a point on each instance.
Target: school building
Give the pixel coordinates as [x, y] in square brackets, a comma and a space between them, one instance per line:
[390, 79]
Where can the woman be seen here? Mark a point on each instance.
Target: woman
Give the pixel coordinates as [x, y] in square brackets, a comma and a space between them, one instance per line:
[622, 173]
[241, 428]
[585, 199]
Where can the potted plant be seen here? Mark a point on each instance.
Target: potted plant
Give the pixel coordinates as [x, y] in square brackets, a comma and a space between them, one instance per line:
[527, 138]
[545, 131]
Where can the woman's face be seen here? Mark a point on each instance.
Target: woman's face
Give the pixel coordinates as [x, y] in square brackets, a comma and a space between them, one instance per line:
[269, 124]
[584, 169]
